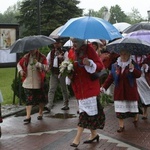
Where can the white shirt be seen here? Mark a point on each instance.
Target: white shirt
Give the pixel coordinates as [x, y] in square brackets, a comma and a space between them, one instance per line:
[55, 62]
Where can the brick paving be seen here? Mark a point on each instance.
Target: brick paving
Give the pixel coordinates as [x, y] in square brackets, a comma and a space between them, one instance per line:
[53, 133]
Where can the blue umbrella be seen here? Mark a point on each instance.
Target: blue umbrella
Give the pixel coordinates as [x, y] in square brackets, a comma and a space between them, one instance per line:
[89, 28]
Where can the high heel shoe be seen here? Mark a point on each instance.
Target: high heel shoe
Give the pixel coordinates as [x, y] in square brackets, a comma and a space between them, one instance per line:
[90, 141]
[121, 129]
[39, 117]
[28, 120]
[74, 145]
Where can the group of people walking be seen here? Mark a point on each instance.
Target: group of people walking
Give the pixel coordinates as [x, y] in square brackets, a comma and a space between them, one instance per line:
[125, 73]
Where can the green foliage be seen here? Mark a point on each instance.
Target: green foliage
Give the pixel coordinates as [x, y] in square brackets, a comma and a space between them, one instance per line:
[10, 14]
[105, 99]
[117, 15]
[17, 89]
[7, 75]
[135, 16]
[52, 14]
[45, 50]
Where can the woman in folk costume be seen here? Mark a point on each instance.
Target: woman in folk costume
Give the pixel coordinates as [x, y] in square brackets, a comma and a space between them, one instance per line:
[91, 115]
[32, 67]
[124, 74]
[144, 86]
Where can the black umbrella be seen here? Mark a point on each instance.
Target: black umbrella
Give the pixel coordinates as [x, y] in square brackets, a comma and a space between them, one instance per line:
[133, 45]
[30, 43]
[137, 26]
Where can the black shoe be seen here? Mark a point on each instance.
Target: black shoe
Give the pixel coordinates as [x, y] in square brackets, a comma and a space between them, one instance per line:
[144, 118]
[39, 117]
[90, 141]
[65, 108]
[47, 109]
[121, 129]
[28, 120]
[74, 145]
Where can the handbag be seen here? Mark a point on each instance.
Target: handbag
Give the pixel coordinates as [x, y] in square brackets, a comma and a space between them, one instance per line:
[100, 74]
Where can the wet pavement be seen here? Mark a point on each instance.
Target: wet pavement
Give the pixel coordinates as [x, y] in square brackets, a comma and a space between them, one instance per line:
[57, 130]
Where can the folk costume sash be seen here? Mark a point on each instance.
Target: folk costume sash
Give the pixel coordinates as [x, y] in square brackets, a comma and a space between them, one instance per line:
[55, 70]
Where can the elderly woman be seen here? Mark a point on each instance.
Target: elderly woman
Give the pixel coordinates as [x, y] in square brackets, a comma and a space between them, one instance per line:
[32, 69]
[91, 115]
[124, 73]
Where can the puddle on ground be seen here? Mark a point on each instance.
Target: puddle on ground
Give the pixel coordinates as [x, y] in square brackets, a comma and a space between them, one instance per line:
[63, 116]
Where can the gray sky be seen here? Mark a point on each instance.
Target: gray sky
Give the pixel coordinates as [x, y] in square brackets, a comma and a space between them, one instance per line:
[126, 5]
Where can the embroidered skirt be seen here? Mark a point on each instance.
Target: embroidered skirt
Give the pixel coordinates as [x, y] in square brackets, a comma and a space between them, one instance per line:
[35, 96]
[92, 122]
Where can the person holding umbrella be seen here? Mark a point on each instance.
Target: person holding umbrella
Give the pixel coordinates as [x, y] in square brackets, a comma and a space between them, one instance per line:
[124, 73]
[91, 116]
[32, 67]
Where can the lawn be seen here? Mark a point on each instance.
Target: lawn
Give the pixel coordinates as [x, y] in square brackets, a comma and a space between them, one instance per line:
[7, 76]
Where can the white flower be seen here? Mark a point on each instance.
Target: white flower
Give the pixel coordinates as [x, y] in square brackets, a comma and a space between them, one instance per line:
[70, 67]
[66, 67]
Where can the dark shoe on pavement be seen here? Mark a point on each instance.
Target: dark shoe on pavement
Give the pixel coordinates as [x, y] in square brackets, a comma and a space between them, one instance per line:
[135, 122]
[144, 118]
[39, 117]
[65, 108]
[47, 109]
[121, 129]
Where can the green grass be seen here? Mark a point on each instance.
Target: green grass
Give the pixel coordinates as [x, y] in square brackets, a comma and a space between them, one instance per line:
[7, 76]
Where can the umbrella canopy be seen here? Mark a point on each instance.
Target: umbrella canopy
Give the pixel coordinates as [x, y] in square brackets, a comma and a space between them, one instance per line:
[134, 46]
[95, 40]
[68, 44]
[54, 34]
[137, 26]
[121, 26]
[140, 34]
[89, 28]
[30, 43]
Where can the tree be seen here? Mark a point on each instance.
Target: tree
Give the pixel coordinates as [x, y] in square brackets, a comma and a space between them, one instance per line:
[100, 13]
[135, 16]
[53, 14]
[117, 15]
[9, 15]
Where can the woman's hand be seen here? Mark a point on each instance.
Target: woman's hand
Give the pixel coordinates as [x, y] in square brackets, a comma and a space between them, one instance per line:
[131, 66]
[22, 73]
[86, 62]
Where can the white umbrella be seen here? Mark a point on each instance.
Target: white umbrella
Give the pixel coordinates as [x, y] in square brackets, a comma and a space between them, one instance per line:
[54, 34]
[68, 44]
[121, 26]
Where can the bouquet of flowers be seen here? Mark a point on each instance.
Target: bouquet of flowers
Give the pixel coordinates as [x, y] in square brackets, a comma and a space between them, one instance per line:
[66, 67]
